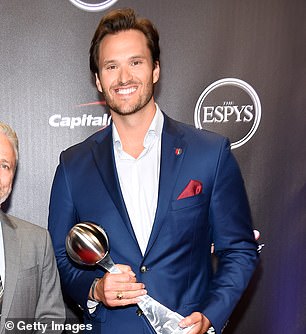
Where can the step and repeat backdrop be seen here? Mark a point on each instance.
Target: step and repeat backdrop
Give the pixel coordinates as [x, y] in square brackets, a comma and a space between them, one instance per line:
[237, 67]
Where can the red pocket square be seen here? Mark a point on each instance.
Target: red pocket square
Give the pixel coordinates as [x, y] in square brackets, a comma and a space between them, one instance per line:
[193, 188]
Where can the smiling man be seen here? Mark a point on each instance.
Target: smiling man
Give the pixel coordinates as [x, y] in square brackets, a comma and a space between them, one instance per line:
[163, 191]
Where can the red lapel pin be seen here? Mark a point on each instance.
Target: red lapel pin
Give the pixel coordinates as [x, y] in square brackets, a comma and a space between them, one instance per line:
[178, 151]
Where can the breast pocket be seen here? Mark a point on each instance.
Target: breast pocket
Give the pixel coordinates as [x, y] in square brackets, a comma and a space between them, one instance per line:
[189, 202]
[187, 220]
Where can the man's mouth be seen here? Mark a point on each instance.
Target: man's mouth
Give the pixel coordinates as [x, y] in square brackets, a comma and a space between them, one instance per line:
[125, 91]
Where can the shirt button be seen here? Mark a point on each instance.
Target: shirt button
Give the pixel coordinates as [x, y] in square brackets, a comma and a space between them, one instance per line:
[143, 269]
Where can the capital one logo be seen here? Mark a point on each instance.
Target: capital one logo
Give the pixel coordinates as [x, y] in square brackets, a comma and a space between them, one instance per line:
[93, 6]
[230, 107]
[87, 119]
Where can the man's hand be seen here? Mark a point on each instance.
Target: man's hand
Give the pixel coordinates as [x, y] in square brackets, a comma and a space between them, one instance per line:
[200, 323]
[122, 289]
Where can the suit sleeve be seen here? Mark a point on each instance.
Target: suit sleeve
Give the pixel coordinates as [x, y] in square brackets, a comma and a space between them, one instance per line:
[50, 305]
[75, 280]
[233, 238]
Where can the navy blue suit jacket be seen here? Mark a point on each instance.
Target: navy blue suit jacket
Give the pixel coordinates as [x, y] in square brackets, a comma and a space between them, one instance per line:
[178, 255]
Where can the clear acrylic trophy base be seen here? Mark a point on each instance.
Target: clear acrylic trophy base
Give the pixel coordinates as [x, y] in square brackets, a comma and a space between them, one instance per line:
[162, 319]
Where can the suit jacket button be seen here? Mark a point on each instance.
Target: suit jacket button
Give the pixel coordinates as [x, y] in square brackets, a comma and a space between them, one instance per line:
[139, 312]
[143, 269]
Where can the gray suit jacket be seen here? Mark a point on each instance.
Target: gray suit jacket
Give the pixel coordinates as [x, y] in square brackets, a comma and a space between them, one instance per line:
[32, 285]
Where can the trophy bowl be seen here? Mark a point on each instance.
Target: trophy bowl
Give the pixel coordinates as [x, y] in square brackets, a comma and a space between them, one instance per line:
[87, 244]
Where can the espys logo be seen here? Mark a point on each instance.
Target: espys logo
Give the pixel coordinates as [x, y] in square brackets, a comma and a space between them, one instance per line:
[93, 6]
[231, 107]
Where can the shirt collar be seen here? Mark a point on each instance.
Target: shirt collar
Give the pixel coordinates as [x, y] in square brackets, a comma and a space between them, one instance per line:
[154, 132]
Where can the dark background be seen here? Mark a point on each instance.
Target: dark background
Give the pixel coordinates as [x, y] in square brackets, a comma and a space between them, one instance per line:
[44, 71]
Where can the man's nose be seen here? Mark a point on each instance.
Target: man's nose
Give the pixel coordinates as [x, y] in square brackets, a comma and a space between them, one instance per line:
[125, 75]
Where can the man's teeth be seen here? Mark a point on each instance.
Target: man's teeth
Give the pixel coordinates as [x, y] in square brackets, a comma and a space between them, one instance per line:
[126, 90]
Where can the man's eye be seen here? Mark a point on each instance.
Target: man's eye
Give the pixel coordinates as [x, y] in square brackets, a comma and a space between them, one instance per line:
[4, 166]
[111, 67]
[136, 62]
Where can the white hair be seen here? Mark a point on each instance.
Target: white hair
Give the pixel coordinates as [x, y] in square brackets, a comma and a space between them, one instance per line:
[11, 136]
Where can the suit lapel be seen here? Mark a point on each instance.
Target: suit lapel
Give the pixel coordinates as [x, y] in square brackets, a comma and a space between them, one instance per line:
[104, 157]
[12, 262]
[172, 155]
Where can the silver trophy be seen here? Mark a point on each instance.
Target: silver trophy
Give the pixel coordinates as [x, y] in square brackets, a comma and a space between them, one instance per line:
[87, 244]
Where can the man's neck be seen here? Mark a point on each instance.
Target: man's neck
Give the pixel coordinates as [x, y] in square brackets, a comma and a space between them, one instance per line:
[133, 128]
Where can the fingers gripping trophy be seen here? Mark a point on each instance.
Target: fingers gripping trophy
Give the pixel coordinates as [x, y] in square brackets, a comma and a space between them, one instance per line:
[88, 244]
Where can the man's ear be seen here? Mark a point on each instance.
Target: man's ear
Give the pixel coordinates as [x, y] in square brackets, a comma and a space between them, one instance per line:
[156, 71]
[98, 83]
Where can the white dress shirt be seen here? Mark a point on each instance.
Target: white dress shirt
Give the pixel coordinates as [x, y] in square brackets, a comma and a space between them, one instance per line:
[2, 259]
[139, 179]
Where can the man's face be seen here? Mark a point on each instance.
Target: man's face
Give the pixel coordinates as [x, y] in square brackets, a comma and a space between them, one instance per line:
[126, 72]
[7, 167]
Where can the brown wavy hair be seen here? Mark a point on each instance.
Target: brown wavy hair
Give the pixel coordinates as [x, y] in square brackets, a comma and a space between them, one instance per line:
[121, 20]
